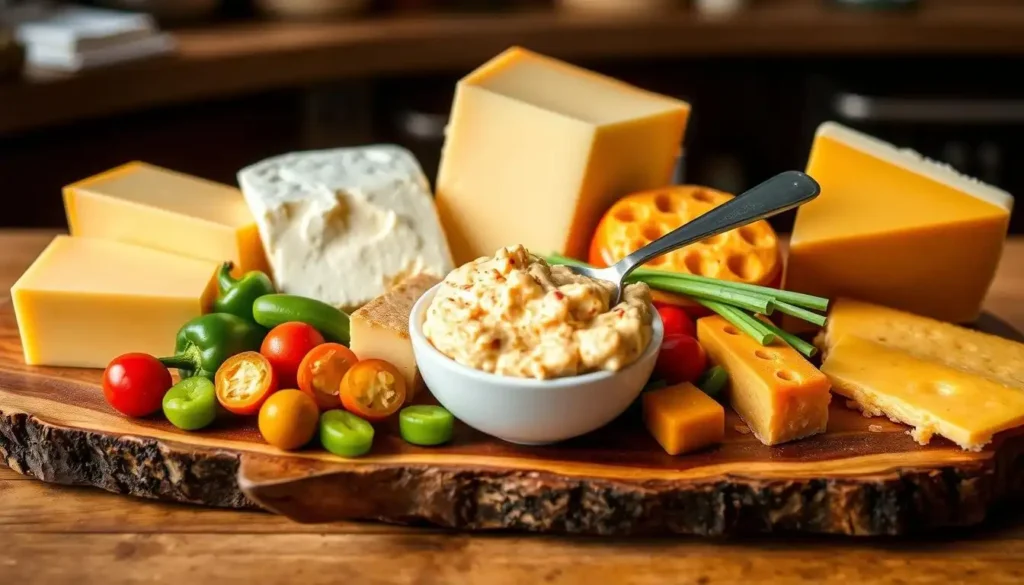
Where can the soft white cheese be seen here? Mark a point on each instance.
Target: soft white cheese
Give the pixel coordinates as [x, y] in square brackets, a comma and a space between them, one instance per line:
[344, 225]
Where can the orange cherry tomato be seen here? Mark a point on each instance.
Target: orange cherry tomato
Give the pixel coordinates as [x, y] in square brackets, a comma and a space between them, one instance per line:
[289, 419]
[321, 372]
[244, 381]
[373, 390]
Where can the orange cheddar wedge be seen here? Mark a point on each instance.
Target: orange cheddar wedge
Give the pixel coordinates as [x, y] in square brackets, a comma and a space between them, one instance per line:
[778, 393]
[682, 418]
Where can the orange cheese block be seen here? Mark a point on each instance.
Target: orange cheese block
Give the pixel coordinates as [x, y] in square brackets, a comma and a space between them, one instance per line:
[893, 228]
[682, 418]
[748, 254]
[778, 393]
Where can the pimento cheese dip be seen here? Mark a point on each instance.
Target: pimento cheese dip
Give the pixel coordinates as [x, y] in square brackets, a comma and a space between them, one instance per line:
[516, 315]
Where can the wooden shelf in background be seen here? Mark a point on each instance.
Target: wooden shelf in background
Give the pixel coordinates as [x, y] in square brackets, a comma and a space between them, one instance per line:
[235, 59]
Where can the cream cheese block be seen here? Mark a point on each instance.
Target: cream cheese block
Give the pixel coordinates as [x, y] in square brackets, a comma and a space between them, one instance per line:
[344, 225]
[84, 301]
[893, 228]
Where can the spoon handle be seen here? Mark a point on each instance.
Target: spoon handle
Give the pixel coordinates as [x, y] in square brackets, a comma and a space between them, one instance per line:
[779, 193]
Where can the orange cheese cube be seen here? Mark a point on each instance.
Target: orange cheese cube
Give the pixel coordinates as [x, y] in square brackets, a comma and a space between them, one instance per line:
[682, 418]
[778, 393]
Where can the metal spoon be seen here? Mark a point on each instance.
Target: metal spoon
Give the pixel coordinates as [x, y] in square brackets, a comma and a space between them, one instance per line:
[780, 193]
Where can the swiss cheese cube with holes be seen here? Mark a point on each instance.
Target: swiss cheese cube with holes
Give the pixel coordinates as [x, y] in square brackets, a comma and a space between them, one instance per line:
[538, 149]
[778, 393]
[893, 228]
[749, 254]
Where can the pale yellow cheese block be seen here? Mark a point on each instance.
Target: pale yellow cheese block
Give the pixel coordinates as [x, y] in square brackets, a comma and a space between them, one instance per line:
[931, 397]
[537, 150]
[85, 301]
[142, 204]
[893, 228]
[380, 329]
[988, 356]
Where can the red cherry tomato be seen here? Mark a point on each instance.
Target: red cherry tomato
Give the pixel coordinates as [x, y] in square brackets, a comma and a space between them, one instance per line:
[135, 384]
[682, 359]
[285, 346]
[676, 320]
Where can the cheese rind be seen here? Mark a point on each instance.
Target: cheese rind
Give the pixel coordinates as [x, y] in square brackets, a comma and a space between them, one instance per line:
[933, 398]
[344, 225]
[85, 301]
[538, 149]
[778, 393]
[893, 228]
[968, 350]
[682, 418]
[380, 329]
[145, 205]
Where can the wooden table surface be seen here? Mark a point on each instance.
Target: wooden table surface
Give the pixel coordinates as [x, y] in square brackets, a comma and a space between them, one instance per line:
[237, 58]
[54, 534]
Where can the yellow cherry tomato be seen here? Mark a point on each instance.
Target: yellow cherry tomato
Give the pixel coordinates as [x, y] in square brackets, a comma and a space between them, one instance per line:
[288, 419]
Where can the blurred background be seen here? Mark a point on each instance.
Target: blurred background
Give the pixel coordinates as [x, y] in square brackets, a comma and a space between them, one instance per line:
[209, 86]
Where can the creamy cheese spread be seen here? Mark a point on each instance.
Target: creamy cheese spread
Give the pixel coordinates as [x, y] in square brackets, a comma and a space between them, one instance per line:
[516, 315]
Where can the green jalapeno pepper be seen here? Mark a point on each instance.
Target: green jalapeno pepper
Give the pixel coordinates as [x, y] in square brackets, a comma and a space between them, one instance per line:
[205, 342]
[238, 294]
[273, 310]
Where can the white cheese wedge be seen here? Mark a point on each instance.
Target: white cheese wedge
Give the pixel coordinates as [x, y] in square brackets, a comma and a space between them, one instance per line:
[344, 225]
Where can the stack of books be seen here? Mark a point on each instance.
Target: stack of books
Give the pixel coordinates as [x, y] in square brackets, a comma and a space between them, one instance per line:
[72, 38]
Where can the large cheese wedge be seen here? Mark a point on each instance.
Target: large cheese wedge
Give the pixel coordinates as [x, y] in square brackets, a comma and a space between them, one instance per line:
[142, 204]
[778, 393]
[933, 398]
[893, 228]
[344, 225]
[538, 149]
[988, 356]
[682, 418]
[85, 301]
[380, 328]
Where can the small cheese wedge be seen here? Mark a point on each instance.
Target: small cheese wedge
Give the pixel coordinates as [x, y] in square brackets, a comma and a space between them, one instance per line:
[538, 149]
[933, 398]
[894, 228]
[380, 329]
[146, 205]
[988, 356]
[778, 393]
[85, 301]
[682, 418]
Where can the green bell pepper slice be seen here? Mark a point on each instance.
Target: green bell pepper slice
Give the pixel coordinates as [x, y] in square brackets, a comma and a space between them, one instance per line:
[345, 434]
[238, 294]
[191, 404]
[426, 425]
[205, 342]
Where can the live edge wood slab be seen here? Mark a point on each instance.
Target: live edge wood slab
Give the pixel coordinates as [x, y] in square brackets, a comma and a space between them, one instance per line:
[864, 477]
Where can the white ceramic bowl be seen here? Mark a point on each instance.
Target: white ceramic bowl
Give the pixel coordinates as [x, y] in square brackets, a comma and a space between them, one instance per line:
[526, 410]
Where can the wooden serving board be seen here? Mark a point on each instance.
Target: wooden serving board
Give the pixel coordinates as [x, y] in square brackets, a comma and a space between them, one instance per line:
[864, 477]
